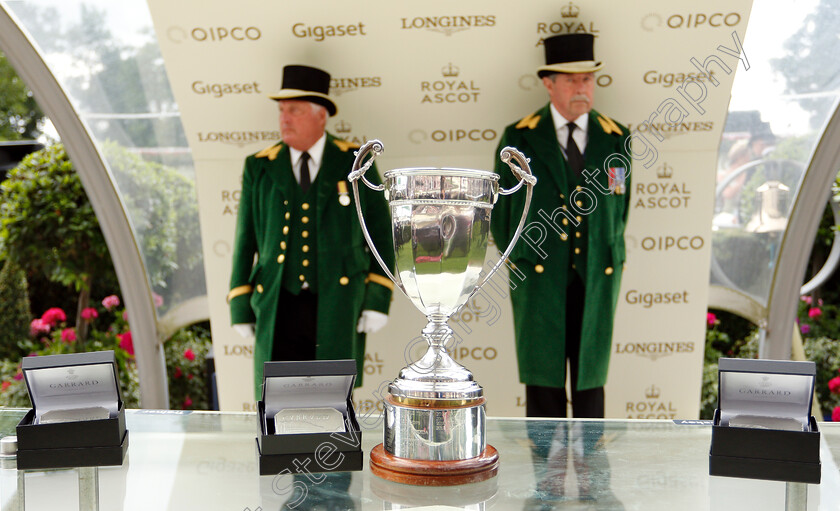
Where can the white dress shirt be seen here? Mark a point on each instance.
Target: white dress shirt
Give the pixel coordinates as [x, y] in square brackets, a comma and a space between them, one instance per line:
[580, 134]
[316, 155]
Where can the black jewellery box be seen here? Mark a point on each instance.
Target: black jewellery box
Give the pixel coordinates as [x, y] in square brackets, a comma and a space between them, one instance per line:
[763, 427]
[78, 415]
[306, 418]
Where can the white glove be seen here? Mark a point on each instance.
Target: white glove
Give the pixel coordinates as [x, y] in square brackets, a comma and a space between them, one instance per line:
[371, 321]
[246, 330]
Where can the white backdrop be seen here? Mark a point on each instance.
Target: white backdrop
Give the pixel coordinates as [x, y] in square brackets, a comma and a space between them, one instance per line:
[437, 82]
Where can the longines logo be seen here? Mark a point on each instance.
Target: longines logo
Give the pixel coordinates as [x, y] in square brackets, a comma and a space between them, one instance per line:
[666, 243]
[648, 299]
[345, 131]
[451, 87]
[666, 80]
[570, 23]
[448, 25]
[339, 86]
[651, 407]
[420, 136]
[238, 138]
[320, 33]
[213, 34]
[218, 90]
[654, 350]
[373, 364]
[237, 350]
[654, 21]
[669, 130]
[664, 193]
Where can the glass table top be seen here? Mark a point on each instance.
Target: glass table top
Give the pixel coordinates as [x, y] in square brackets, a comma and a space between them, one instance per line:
[207, 461]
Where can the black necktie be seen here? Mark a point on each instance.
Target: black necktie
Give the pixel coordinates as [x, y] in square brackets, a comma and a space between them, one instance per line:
[304, 172]
[573, 155]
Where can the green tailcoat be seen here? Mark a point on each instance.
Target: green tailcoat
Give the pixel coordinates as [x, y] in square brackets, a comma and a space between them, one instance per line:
[349, 279]
[542, 268]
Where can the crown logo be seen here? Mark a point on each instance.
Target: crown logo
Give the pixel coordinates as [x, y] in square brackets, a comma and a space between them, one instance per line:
[570, 11]
[652, 392]
[665, 171]
[71, 374]
[450, 70]
[765, 382]
[343, 127]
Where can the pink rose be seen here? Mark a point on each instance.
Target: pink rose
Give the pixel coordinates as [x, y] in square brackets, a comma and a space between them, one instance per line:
[834, 385]
[190, 376]
[711, 319]
[89, 313]
[189, 354]
[6, 385]
[68, 335]
[835, 414]
[805, 328]
[807, 299]
[19, 376]
[38, 327]
[188, 402]
[109, 302]
[53, 316]
[126, 342]
[177, 374]
[158, 299]
[814, 312]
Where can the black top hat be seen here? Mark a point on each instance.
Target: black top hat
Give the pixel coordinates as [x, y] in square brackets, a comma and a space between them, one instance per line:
[306, 83]
[569, 53]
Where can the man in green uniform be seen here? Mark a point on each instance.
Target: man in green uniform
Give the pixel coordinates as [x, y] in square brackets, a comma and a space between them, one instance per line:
[572, 251]
[303, 280]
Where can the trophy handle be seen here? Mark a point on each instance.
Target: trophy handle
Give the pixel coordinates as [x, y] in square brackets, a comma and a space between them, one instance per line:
[375, 148]
[523, 172]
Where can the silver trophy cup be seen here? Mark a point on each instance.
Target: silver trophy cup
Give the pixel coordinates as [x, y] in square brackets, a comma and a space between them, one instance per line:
[434, 410]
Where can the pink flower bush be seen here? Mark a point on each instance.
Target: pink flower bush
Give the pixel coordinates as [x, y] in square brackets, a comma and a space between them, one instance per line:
[19, 376]
[89, 313]
[188, 402]
[68, 335]
[189, 354]
[834, 385]
[807, 299]
[177, 374]
[711, 319]
[7, 384]
[814, 312]
[38, 327]
[53, 316]
[126, 342]
[835, 414]
[805, 328]
[109, 302]
[158, 300]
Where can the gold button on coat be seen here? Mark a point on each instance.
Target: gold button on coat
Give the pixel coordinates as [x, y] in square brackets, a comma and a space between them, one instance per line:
[285, 229]
[539, 268]
[259, 288]
[304, 206]
[577, 251]
[578, 188]
[579, 218]
[565, 222]
[287, 215]
[577, 234]
[564, 236]
[562, 196]
[579, 203]
[305, 262]
[305, 219]
[305, 248]
[305, 234]
[343, 281]
[302, 278]
[609, 270]
[283, 245]
[281, 258]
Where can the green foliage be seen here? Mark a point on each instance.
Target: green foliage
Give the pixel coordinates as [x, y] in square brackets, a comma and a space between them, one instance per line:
[20, 116]
[826, 352]
[14, 309]
[48, 224]
[186, 354]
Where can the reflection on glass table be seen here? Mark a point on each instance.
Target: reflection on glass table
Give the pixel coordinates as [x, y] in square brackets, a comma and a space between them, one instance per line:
[207, 460]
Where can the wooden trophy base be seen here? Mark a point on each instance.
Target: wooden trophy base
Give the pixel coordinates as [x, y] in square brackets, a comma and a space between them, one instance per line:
[434, 473]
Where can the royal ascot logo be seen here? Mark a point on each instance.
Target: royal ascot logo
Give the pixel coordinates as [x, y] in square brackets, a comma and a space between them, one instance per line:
[421, 136]
[655, 21]
[320, 33]
[669, 79]
[650, 299]
[569, 23]
[219, 90]
[339, 86]
[651, 407]
[373, 363]
[448, 25]
[662, 194]
[238, 138]
[450, 88]
[239, 350]
[344, 130]
[180, 35]
[654, 350]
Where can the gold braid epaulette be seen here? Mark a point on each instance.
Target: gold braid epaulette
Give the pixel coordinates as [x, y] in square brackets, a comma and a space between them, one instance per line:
[529, 121]
[270, 152]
